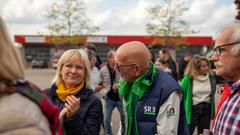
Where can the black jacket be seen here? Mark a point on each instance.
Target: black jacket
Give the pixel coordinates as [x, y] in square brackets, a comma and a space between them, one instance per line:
[172, 65]
[89, 117]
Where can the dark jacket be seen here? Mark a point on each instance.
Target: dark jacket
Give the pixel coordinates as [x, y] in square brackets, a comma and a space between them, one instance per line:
[160, 90]
[173, 67]
[89, 117]
[182, 66]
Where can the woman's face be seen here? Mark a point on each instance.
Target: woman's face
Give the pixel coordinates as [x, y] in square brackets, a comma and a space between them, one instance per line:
[111, 60]
[159, 65]
[73, 73]
[93, 61]
[204, 68]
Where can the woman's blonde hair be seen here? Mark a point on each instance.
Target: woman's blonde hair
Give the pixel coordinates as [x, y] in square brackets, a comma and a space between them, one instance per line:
[69, 56]
[11, 68]
[193, 67]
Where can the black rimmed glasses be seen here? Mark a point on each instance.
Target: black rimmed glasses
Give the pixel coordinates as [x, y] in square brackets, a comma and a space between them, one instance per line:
[118, 66]
[218, 50]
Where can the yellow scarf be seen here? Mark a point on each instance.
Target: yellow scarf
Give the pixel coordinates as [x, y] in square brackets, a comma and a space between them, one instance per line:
[63, 93]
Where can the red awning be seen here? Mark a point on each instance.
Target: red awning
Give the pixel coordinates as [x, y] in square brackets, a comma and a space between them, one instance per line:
[116, 40]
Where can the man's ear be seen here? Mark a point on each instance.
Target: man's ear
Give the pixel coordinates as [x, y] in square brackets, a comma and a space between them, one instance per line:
[138, 69]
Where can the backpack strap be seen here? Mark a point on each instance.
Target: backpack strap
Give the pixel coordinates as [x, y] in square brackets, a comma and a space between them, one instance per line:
[32, 92]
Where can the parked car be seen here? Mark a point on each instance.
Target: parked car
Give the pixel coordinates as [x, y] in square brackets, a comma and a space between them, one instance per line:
[54, 63]
[39, 64]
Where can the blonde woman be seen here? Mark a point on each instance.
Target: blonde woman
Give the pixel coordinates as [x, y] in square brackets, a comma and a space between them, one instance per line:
[199, 87]
[81, 110]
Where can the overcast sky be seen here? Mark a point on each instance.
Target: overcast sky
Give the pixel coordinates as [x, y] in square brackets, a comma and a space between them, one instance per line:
[117, 17]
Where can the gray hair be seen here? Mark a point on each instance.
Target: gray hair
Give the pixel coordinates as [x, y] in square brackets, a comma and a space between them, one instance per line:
[235, 36]
[110, 53]
[68, 56]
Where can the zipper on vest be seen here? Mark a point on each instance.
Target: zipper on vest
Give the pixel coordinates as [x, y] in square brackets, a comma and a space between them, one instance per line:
[135, 119]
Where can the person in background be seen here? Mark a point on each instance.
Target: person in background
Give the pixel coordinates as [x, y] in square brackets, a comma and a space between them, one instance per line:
[152, 99]
[183, 63]
[152, 57]
[92, 47]
[165, 55]
[199, 86]
[163, 65]
[226, 58]
[95, 74]
[81, 109]
[110, 93]
[25, 110]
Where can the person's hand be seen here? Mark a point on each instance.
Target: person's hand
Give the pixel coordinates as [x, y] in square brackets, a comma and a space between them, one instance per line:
[72, 105]
[100, 86]
[220, 89]
[62, 114]
[115, 86]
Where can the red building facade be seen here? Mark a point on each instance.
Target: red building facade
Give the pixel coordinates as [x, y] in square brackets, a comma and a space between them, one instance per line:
[43, 47]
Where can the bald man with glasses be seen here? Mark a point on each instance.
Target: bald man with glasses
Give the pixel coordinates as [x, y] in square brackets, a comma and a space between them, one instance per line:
[152, 99]
[226, 58]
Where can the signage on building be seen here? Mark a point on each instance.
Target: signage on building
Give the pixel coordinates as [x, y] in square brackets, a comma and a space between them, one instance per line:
[66, 39]
[97, 39]
[29, 39]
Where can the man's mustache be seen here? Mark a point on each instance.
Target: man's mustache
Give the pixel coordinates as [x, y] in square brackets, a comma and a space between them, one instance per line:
[217, 64]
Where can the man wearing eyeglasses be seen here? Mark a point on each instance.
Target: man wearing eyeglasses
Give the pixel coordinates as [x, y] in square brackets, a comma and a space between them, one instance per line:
[152, 99]
[226, 58]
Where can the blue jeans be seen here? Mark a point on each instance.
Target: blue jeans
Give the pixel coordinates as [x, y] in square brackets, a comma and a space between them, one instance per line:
[109, 106]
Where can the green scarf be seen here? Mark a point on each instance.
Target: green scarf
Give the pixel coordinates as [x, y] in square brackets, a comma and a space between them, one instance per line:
[138, 87]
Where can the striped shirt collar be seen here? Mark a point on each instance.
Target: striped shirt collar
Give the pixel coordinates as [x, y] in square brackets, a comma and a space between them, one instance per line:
[234, 86]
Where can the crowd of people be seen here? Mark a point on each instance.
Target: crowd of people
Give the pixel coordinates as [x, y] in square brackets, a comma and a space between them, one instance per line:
[152, 96]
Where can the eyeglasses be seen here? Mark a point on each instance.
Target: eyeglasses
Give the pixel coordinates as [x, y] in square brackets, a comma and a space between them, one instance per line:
[117, 66]
[218, 50]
